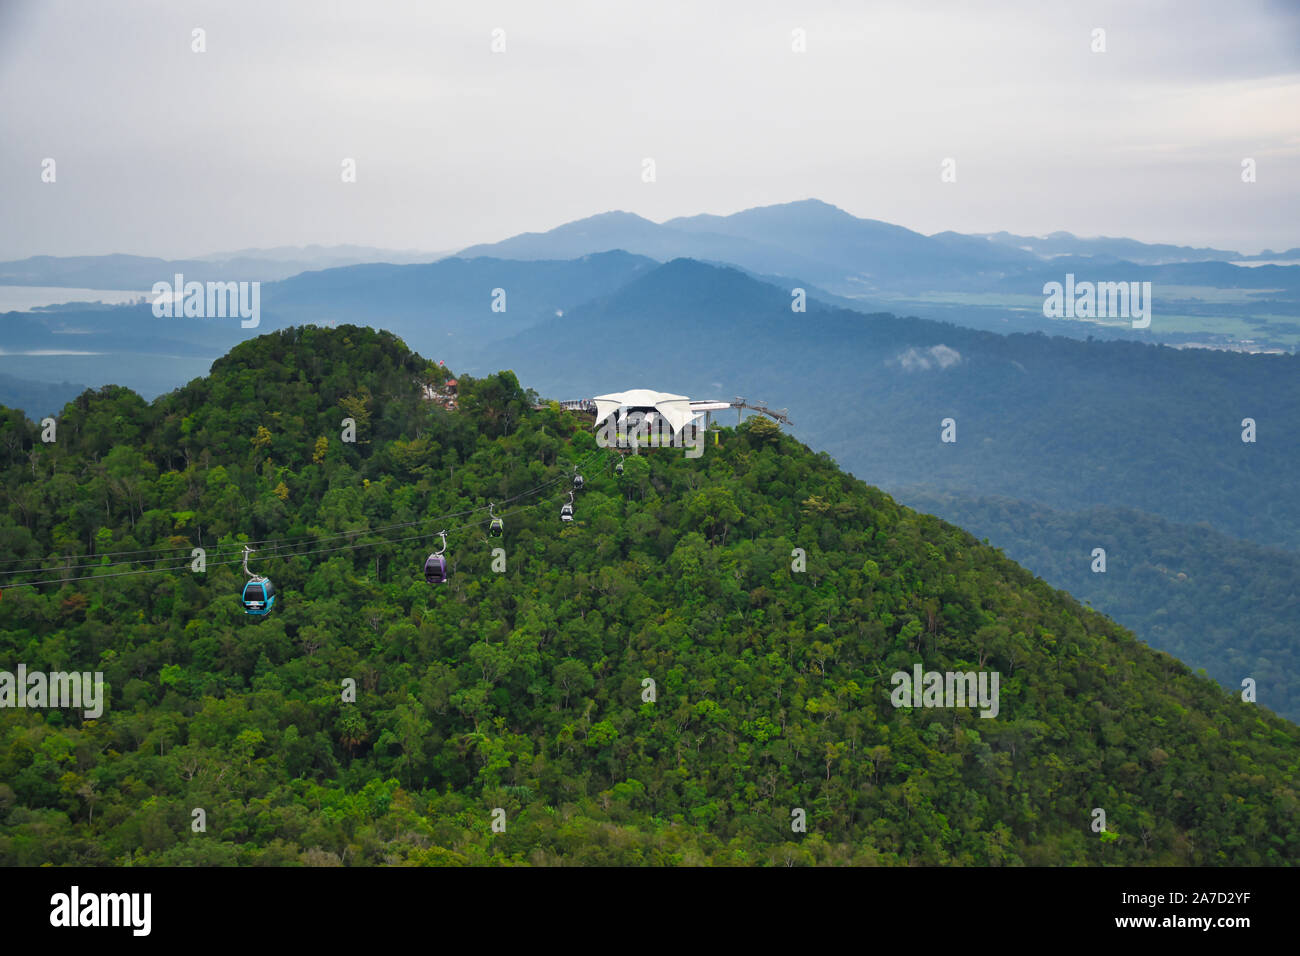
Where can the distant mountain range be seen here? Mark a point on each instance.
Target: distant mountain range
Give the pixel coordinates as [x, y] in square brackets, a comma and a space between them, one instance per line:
[453, 298]
[1103, 247]
[328, 257]
[809, 239]
[857, 257]
[141, 272]
[980, 282]
[36, 399]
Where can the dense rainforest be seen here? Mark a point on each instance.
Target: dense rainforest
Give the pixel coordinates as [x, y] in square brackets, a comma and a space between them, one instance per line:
[524, 689]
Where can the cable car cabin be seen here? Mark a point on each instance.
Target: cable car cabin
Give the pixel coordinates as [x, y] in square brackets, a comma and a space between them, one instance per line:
[496, 527]
[258, 596]
[618, 469]
[435, 569]
[566, 512]
[577, 482]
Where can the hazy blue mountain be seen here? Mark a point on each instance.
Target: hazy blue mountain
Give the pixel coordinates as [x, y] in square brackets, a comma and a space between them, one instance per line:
[1105, 247]
[443, 307]
[851, 256]
[1220, 275]
[808, 238]
[246, 265]
[872, 251]
[328, 257]
[139, 272]
[817, 230]
[1270, 254]
[36, 399]
[628, 231]
[986, 250]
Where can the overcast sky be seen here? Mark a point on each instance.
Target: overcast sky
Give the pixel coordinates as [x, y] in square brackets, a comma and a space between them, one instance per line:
[164, 151]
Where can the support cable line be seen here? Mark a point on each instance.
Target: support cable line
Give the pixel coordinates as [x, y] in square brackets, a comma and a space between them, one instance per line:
[246, 550]
[266, 544]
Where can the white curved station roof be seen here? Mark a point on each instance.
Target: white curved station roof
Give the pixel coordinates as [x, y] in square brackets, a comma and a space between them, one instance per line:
[676, 409]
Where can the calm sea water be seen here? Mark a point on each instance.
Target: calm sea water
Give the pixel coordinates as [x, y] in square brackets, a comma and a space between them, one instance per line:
[24, 298]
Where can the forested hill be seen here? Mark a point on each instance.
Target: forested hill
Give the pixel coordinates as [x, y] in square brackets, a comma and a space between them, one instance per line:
[526, 690]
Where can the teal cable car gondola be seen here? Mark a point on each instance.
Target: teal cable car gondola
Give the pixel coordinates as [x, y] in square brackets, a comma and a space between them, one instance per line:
[258, 596]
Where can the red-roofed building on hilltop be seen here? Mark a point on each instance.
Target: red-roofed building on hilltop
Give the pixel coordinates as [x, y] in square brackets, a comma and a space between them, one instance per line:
[444, 394]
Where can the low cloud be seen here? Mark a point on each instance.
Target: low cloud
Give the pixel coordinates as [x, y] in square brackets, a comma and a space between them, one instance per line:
[922, 360]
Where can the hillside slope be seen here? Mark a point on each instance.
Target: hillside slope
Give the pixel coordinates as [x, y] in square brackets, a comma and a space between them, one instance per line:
[526, 690]
[1214, 602]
